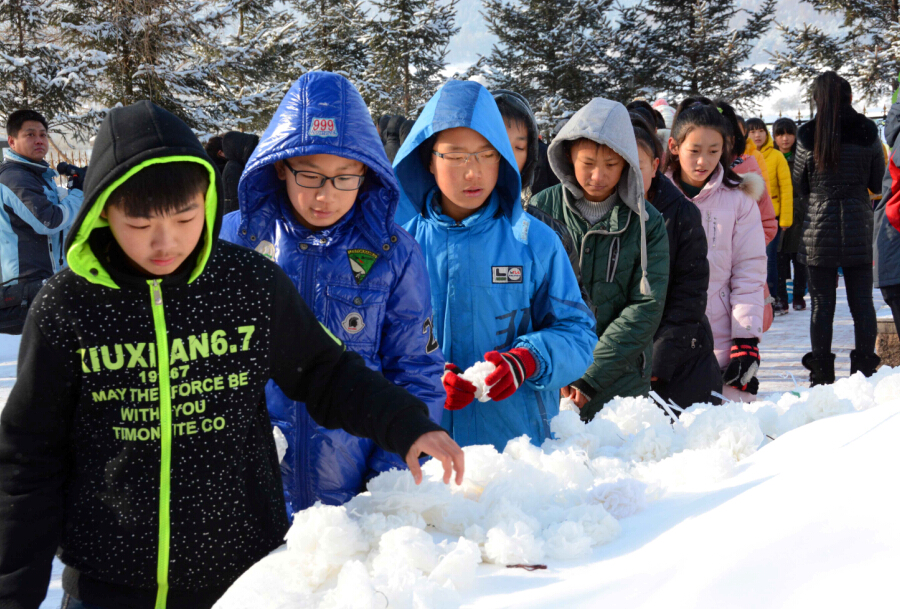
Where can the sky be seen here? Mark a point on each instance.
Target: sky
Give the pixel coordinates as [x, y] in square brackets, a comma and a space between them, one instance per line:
[474, 40]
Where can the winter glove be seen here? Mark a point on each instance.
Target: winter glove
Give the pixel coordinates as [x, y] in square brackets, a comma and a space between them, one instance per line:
[460, 392]
[741, 371]
[76, 181]
[513, 368]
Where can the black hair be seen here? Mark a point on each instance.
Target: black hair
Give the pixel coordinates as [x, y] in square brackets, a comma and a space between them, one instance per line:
[660, 119]
[213, 146]
[756, 124]
[738, 139]
[785, 126]
[161, 189]
[740, 120]
[647, 142]
[831, 94]
[645, 109]
[19, 117]
[515, 110]
[701, 113]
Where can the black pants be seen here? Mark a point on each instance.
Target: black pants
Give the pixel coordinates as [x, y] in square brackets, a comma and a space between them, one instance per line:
[891, 294]
[784, 272]
[823, 293]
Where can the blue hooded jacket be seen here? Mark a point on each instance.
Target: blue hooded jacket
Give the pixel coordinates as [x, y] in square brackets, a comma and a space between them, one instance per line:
[499, 279]
[382, 311]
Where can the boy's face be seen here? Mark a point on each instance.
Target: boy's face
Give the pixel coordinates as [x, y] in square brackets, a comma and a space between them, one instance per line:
[785, 141]
[316, 205]
[518, 137]
[464, 188]
[598, 169]
[157, 245]
[759, 137]
[31, 141]
[649, 165]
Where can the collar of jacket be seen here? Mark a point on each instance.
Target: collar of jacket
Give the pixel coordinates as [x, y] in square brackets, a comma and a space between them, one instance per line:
[608, 225]
[714, 182]
[41, 168]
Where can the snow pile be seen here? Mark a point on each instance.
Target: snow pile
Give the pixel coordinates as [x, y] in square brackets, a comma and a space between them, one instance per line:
[402, 546]
[476, 374]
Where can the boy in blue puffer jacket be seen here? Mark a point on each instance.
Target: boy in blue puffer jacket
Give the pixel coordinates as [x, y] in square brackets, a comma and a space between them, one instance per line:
[502, 287]
[318, 197]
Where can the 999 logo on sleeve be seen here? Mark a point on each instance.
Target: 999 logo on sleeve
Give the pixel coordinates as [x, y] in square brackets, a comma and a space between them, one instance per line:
[323, 127]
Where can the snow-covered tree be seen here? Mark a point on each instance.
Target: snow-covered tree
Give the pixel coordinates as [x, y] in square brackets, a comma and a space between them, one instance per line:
[701, 52]
[408, 40]
[258, 61]
[866, 51]
[31, 59]
[550, 50]
[149, 49]
[334, 40]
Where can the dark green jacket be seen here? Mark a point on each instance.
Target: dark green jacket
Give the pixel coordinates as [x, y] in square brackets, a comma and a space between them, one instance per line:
[610, 259]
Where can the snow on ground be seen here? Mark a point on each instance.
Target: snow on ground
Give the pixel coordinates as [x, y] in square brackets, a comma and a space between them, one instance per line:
[626, 509]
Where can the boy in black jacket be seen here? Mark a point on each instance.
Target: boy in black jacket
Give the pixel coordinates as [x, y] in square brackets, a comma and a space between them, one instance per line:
[136, 438]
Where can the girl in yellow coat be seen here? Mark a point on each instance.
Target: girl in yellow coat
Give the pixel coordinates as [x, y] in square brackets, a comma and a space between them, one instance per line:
[782, 192]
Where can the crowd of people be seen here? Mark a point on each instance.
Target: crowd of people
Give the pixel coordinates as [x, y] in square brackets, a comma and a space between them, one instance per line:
[340, 278]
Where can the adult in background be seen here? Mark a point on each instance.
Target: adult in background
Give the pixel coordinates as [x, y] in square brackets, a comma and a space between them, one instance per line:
[34, 219]
[839, 159]
[237, 148]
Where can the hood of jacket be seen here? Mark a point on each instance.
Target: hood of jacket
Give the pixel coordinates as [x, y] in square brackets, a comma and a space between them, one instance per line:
[531, 126]
[237, 146]
[131, 139]
[605, 122]
[457, 104]
[323, 113]
[892, 125]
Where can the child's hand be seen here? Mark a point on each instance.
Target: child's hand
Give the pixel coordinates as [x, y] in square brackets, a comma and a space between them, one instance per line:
[513, 368]
[441, 446]
[576, 396]
[460, 392]
[741, 371]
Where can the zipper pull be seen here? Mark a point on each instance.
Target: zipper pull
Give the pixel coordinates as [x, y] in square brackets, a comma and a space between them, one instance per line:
[157, 292]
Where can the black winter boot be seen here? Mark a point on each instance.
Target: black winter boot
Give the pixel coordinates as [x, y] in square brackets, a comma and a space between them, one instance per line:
[867, 364]
[821, 369]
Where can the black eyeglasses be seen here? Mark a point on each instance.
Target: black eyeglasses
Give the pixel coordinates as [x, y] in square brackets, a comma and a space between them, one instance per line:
[311, 179]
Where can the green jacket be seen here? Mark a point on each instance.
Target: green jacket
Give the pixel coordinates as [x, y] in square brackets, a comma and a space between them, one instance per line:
[626, 318]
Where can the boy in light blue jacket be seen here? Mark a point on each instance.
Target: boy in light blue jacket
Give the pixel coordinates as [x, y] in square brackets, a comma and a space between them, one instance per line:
[502, 287]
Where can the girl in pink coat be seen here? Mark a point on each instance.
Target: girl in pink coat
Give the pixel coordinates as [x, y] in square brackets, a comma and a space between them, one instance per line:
[737, 252]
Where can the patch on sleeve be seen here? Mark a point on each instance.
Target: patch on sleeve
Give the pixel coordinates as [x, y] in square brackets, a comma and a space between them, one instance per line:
[323, 127]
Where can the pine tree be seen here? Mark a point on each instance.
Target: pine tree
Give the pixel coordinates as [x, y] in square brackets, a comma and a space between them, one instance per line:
[409, 43]
[334, 35]
[148, 49]
[552, 52]
[700, 51]
[256, 65]
[31, 61]
[866, 51]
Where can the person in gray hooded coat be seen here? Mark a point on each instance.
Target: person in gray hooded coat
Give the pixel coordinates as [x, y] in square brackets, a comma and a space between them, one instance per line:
[622, 243]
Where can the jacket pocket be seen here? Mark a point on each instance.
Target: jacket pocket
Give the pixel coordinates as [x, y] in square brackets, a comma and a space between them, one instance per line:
[356, 316]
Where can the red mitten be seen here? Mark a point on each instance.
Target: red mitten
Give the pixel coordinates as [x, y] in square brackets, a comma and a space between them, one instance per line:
[460, 392]
[513, 367]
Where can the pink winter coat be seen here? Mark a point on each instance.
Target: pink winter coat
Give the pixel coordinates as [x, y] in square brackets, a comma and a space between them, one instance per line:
[737, 260]
[766, 207]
